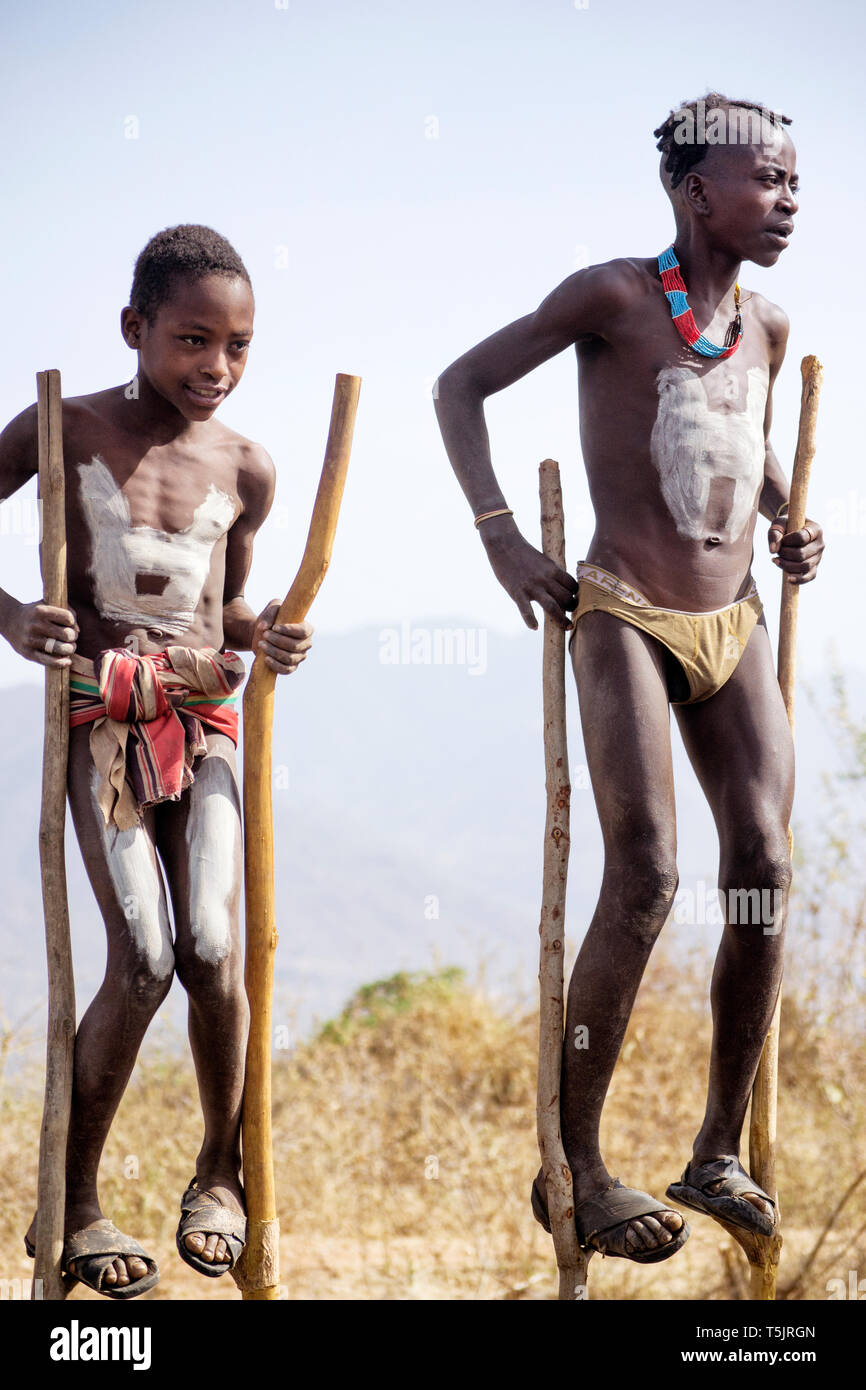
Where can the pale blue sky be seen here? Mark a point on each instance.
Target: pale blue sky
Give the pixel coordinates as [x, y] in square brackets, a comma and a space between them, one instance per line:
[309, 128]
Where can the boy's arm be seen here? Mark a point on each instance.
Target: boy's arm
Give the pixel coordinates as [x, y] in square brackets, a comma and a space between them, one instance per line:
[29, 627]
[801, 553]
[285, 646]
[584, 305]
[774, 493]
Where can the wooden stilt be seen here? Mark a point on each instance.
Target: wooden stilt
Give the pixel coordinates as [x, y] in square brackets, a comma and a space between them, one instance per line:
[763, 1252]
[51, 1192]
[257, 1272]
[571, 1261]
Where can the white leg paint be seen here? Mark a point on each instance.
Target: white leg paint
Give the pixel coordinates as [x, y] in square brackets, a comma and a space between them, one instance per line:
[692, 445]
[138, 885]
[121, 551]
[213, 839]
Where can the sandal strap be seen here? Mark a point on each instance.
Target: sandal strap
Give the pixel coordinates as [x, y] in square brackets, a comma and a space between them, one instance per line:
[202, 1212]
[730, 1172]
[85, 1244]
[613, 1207]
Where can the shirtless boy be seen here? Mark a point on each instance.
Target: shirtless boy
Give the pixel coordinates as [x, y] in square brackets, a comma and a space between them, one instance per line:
[677, 451]
[162, 507]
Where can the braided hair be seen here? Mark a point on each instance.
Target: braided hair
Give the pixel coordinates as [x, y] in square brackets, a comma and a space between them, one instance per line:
[675, 136]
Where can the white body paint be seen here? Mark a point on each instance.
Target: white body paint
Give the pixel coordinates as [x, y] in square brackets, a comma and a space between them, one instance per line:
[120, 551]
[213, 839]
[138, 885]
[691, 445]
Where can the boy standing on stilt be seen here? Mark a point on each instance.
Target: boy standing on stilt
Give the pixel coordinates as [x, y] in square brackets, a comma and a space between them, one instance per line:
[676, 368]
[163, 504]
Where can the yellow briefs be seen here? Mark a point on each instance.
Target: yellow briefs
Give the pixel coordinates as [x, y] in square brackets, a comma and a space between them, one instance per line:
[706, 645]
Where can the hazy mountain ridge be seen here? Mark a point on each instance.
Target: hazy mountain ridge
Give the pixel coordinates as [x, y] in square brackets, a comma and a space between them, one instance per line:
[409, 814]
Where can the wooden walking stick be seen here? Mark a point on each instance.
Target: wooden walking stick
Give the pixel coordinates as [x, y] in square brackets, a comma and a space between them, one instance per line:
[257, 1271]
[763, 1252]
[571, 1261]
[51, 1191]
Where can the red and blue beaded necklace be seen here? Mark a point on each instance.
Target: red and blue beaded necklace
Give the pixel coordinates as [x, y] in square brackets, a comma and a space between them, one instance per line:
[675, 293]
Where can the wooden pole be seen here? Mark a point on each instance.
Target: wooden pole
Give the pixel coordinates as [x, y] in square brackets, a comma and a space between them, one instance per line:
[257, 1271]
[813, 374]
[51, 1192]
[763, 1252]
[571, 1261]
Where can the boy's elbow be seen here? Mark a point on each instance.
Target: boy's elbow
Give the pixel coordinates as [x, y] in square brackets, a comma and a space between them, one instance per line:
[443, 383]
[456, 381]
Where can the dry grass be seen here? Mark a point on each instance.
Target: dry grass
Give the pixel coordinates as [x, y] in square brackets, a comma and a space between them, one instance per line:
[404, 1147]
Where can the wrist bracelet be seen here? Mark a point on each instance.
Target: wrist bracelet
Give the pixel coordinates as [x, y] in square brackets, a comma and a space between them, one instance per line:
[485, 516]
[783, 508]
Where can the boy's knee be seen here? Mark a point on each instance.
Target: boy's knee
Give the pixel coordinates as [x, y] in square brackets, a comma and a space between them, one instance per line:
[210, 946]
[153, 947]
[755, 882]
[217, 973]
[149, 981]
[761, 862]
[152, 955]
[644, 889]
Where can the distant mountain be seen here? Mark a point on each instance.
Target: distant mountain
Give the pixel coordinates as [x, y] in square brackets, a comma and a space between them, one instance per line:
[409, 816]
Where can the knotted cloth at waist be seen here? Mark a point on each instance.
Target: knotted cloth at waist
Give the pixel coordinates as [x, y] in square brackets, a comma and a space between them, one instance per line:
[148, 715]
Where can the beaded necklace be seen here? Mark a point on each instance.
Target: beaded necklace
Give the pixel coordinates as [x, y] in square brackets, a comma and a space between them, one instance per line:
[675, 293]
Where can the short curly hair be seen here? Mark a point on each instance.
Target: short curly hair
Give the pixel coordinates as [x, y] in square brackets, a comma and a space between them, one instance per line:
[682, 156]
[187, 252]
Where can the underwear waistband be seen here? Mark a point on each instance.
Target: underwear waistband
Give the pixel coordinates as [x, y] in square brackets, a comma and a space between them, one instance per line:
[603, 579]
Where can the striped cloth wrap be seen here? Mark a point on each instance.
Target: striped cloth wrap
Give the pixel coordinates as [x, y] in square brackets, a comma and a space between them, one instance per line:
[149, 715]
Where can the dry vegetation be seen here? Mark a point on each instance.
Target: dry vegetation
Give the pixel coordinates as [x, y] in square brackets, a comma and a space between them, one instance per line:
[404, 1132]
[404, 1145]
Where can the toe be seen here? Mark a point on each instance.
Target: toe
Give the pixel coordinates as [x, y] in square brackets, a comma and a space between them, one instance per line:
[759, 1203]
[632, 1241]
[136, 1267]
[221, 1253]
[209, 1252]
[195, 1242]
[651, 1232]
[122, 1273]
[110, 1275]
[660, 1234]
[640, 1236]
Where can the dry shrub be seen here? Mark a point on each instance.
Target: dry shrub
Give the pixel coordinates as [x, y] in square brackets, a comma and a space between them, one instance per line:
[404, 1144]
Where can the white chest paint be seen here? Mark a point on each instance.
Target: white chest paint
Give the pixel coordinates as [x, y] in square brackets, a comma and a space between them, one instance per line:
[692, 445]
[122, 552]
